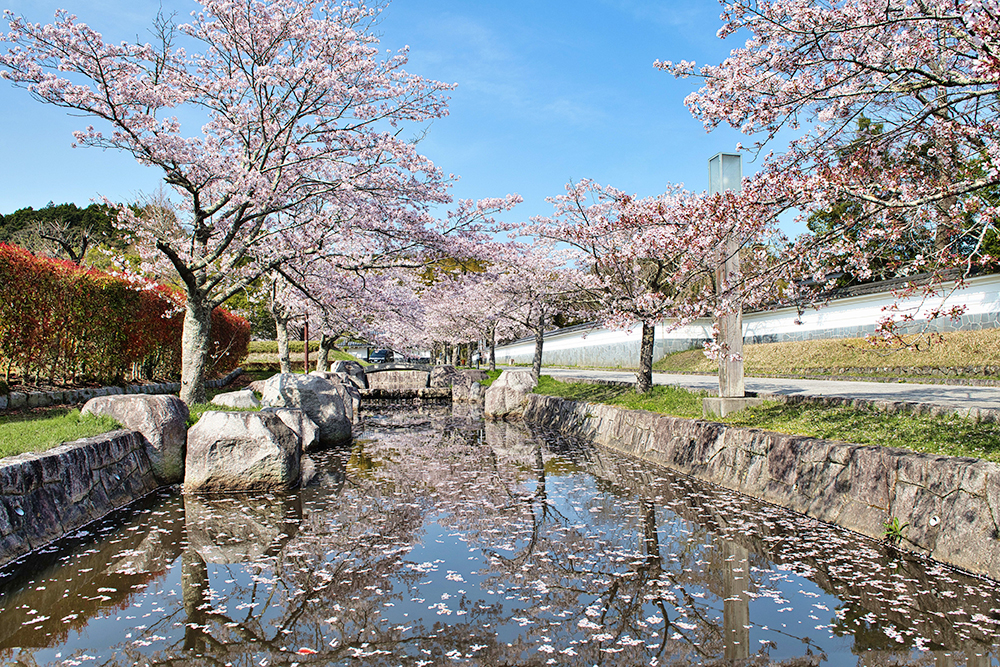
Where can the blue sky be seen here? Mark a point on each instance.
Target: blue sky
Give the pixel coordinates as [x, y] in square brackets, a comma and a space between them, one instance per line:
[548, 92]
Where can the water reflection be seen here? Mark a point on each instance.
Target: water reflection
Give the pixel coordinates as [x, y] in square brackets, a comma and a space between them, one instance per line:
[437, 540]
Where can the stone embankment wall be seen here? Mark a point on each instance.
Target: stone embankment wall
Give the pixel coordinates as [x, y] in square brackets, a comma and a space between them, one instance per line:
[46, 496]
[40, 399]
[951, 505]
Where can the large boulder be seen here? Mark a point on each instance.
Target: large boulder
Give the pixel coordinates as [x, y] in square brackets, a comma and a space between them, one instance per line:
[162, 421]
[476, 374]
[354, 370]
[505, 398]
[443, 376]
[328, 403]
[241, 451]
[465, 389]
[299, 421]
[237, 399]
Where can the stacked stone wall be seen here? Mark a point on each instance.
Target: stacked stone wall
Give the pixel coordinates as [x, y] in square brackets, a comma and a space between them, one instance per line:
[951, 505]
[46, 496]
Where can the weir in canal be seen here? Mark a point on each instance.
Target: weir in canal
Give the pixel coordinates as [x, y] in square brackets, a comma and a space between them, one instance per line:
[438, 539]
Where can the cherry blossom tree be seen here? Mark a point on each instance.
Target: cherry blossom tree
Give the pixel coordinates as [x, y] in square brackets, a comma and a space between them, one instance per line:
[470, 307]
[624, 287]
[926, 74]
[370, 283]
[299, 134]
[654, 260]
[538, 283]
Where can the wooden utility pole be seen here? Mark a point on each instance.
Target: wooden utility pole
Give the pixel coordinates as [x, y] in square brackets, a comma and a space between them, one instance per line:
[305, 340]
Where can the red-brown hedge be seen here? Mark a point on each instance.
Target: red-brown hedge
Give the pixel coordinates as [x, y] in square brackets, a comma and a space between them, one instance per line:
[65, 322]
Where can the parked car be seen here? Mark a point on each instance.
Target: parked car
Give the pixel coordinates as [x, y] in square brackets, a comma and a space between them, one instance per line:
[380, 356]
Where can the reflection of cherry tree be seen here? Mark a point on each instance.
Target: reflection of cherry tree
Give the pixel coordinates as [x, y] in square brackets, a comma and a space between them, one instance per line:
[598, 594]
[432, 541]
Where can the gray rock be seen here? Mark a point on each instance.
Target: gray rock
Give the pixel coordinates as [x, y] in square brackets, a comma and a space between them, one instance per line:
[352, 397]
[298, 421]
[506, 397]
[466, 390]
[241, 451]
[329, 404]
[237, 399]
[354, 370]
[162, 421]
[475, 374]
[443, 376]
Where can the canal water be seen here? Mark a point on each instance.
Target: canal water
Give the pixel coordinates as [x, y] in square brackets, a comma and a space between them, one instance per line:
[438, 540]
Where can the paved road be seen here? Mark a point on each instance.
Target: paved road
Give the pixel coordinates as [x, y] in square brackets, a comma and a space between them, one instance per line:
[939, 394]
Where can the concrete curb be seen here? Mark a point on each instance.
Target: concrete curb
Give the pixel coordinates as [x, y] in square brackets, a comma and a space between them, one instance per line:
[39, 399]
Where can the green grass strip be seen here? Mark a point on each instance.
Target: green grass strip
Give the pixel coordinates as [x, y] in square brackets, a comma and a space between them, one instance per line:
[22, 433]
[664, 399]
[952, 436]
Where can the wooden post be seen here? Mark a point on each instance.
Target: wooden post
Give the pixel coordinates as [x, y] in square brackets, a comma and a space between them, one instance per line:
[305, 337]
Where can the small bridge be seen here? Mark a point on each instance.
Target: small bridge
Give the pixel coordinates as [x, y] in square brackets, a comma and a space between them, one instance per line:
[402, 380]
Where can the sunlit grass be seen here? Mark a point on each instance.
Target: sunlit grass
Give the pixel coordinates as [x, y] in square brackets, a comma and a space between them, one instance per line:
[953, 436]
[196, 410]
[493, 375]
[37, 432]
[661, 398]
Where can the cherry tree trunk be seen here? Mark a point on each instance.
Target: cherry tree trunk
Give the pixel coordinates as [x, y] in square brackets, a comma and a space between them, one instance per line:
[284, 354]
[493, 347]
[644, 378]
[196, 343]
[326, 344]
[536, 362]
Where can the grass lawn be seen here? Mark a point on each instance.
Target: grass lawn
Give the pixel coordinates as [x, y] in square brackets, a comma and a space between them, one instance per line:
[493, 375]
[852, 356]
[661, 398]
[39, 431]
[953, 436]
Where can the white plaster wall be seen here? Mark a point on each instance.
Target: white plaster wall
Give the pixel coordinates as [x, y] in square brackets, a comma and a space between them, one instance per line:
[981, 296]
[848, 317]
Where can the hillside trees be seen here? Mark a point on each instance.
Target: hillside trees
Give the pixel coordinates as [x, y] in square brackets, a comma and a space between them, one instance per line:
[926, 74]
[299, 138]
[63, 231]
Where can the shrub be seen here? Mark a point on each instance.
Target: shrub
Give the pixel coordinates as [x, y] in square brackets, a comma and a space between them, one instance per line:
[62, 321]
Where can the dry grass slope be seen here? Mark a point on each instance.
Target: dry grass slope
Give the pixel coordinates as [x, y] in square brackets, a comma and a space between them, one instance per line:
[960, 353]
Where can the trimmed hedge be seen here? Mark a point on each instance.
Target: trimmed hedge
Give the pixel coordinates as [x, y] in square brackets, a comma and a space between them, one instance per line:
[271, 346]
[64, 322]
